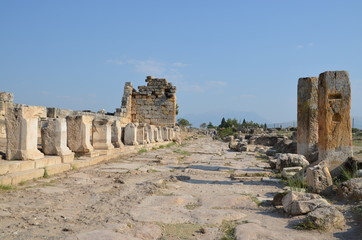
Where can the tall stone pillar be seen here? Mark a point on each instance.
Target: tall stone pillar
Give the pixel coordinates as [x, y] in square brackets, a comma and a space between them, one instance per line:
[54, 139]
[151, 133]
[130, 134]
[79, 134]
[22, 132]
[165, 134]
[335, 130]
[141, 134]
[102, 134]
[307, 134]
[160, 134]
[117, 134]
[146, 128]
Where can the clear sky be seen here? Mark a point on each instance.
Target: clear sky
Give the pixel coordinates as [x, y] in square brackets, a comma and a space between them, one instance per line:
[222, 55]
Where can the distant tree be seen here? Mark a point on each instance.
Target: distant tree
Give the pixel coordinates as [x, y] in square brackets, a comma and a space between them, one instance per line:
[183, 122]
[223, 123]
[244, 122]
[210, 125]
[177, 107]
[265, 126]
[203, 125]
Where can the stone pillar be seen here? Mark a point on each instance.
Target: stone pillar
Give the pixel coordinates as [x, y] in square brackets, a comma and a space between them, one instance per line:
[22, 132]
[160, 136]
[147, 139]
[151, 133]
[156, 133]
[117, 134]
[102, 134]
[307, 133]
[54, 139]
[79, 134]
[141, 134]
[130, 134]
[165, 134]
[6, 100]
[335, 130]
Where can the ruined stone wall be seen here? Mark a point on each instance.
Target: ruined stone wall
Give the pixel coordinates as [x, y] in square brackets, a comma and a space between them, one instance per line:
[153, 104]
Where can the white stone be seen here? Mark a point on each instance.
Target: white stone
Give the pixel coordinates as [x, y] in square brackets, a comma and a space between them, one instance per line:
[130, 134]
[22, 132]
[102, 133]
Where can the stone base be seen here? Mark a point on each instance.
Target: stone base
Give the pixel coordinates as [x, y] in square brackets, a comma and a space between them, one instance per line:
[18, 177]
[91, 154]
[31, 154]
[106, 152]
[8, 167]
[58, 168]
[67, 158]
[47, 161]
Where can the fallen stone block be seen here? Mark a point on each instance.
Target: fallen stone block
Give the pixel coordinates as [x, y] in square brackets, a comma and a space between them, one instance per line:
[351, 189]
[290, 171]
[319, 179]
[290, 160]
[326, 218]
[297, 203]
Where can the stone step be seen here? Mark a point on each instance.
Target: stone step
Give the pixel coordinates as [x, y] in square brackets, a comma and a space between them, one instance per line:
[16, 178]
[57, 168]
[8, 167]
[47, 161]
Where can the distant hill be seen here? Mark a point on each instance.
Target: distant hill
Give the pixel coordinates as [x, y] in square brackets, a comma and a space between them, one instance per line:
[215, 117]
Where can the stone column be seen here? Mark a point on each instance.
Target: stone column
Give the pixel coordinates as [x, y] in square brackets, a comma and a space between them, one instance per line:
[130, 134]
[165, 134]
[307, 133]
[151, 133]
[102, 134]
[117, 134]
[160, 136]
[156, 133]
[54, 139]
[141, 134]
[79, 134]
[22, 132]
[335, 130]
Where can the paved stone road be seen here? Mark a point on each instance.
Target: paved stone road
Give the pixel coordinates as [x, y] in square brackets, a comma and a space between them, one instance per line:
[178, 192]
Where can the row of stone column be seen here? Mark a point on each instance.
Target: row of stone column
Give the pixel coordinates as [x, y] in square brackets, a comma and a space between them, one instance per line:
[324, 122]
[80, 134]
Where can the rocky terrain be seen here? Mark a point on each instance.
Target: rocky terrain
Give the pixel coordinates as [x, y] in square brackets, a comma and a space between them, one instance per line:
[197, 190]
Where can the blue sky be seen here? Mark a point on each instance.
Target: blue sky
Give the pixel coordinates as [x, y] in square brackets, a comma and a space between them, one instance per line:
[241, 56]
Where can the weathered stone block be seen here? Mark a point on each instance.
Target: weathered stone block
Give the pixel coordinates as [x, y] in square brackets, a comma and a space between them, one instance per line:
[318, 178]
[130, 134]
[79, 133]
[102, 134]
[291, 160]
[54, 137]
[307, 136]
[117, 134]
[335, 128]
[22, 132]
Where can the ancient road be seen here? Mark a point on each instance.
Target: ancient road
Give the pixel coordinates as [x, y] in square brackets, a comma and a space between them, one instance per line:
[177, 192]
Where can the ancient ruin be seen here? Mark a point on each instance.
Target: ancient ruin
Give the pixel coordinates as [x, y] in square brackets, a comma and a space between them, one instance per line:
[154, 104]
[307, 135]
[54, 137]
[324, 122]
[335, 126]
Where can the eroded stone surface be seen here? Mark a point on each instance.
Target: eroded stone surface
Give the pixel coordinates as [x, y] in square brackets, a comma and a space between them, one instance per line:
[307, 136]
[335, 128]
[318, 178]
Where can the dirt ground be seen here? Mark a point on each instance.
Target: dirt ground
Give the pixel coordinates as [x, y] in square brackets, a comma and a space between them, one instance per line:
[175, 192]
